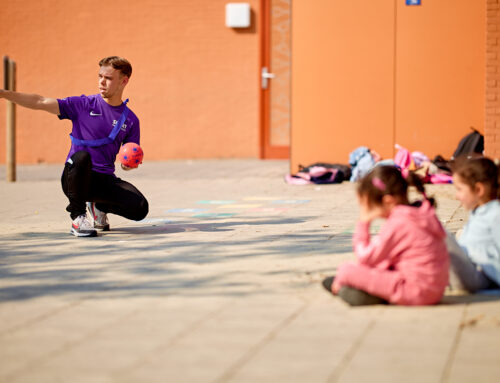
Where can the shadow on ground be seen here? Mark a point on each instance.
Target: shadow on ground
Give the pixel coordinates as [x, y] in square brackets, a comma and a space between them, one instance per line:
[481, 297]
[152, 260]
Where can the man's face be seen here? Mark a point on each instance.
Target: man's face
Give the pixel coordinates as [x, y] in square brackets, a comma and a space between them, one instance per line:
[111, 81]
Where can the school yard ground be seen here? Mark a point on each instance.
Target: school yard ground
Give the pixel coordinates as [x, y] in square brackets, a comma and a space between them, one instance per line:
[221, 283]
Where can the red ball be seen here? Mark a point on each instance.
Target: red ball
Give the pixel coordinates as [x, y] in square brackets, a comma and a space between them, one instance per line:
[130, 155]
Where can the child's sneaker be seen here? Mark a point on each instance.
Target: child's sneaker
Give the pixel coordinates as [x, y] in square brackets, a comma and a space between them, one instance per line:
[81, 227]
[100, 219]
[327, 284]
[356, 297]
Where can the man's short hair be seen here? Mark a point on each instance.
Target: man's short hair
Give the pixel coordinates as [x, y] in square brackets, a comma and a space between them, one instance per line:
[118, 63]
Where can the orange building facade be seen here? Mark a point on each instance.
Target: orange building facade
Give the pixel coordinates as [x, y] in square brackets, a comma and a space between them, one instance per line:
[388, 73]
[194, 86]
[307, 80]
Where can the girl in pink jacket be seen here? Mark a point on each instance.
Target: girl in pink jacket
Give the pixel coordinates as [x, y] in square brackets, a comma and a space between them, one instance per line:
[407, 263]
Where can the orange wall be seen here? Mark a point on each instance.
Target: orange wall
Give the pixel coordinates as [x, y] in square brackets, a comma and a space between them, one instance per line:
[379, 73]
[440, 77]
[342, 79]
[195, 83]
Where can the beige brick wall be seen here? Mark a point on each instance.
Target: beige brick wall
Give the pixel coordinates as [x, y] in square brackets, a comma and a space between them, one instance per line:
[492, 118]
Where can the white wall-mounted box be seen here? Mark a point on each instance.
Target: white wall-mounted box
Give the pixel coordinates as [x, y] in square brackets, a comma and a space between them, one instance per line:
[237, 15]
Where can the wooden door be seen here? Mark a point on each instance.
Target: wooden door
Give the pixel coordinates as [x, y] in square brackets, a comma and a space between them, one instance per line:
[275, 79]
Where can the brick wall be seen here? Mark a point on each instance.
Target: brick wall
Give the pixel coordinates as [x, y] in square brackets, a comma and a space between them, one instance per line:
[492, 120]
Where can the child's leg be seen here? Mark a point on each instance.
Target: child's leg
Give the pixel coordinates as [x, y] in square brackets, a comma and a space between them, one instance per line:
[374, 281]
[464, 275]
[352, 296]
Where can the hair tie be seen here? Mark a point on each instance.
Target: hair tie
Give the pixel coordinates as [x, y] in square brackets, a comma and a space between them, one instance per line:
[378, 183]
[405, 173]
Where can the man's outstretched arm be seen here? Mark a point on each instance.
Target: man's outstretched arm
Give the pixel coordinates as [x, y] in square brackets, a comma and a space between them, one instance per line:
[31, 101]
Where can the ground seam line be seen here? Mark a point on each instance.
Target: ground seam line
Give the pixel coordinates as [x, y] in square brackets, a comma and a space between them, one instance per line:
[342, 366]
[257, 347]
[38, 318]
[445, 377]
[455, 213]
[64, 347]
[174, 340]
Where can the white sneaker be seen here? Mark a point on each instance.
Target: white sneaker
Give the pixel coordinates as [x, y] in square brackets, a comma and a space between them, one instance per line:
[100, 219]
[81, 227]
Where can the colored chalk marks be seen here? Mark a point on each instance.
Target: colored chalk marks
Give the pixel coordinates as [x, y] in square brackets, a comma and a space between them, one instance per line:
[260, 199]
[216, 202]
[186, 210]
[269, 210]
[240, 206]
[155, 221]
[214, 215]
[290, 201]
[251, 205]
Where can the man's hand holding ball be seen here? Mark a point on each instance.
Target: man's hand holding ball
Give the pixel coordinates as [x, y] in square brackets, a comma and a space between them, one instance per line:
[130, 156]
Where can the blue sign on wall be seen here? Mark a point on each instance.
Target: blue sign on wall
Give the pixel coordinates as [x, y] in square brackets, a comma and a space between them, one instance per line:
[413, 2]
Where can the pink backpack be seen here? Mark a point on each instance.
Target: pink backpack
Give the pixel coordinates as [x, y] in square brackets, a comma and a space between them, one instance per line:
[403, 157]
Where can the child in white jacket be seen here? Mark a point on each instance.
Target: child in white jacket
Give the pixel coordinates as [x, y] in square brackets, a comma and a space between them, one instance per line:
[475, 259]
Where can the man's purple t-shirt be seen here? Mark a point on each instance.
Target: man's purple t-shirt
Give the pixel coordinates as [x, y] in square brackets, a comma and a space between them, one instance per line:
[94, 118]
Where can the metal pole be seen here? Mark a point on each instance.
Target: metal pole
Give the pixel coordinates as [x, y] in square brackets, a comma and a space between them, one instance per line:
[5, 72]
[10, 84]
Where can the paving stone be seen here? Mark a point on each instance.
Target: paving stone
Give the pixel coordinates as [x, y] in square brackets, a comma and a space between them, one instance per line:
[216, 298]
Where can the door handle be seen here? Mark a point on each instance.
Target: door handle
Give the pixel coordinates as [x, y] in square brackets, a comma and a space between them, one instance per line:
[265, 76]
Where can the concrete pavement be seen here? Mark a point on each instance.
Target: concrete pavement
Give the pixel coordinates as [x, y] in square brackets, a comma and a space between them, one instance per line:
[221, 283]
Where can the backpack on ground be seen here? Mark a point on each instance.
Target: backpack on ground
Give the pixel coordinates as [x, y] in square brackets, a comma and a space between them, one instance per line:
[319, 173]
[472, 143]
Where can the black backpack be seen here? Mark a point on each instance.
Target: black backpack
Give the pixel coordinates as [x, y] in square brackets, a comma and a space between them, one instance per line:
[343, 171]
[470, 144]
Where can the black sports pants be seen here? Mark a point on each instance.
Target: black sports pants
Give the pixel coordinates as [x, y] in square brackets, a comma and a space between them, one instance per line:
[111, 194]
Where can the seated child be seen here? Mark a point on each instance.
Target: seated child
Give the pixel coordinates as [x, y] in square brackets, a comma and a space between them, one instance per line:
[407, 263]
[475, 259]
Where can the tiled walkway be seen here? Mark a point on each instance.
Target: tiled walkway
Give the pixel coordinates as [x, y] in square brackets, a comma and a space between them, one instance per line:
[221, 283]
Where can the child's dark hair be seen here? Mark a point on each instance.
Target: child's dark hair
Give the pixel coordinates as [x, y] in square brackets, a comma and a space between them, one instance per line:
[478, 169]
[388, 180]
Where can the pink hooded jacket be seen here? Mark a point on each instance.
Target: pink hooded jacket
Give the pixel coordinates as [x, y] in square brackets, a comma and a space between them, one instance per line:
[407, 263]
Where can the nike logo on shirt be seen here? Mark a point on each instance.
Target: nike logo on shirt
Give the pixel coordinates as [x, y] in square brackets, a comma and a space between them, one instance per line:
[95, 114]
